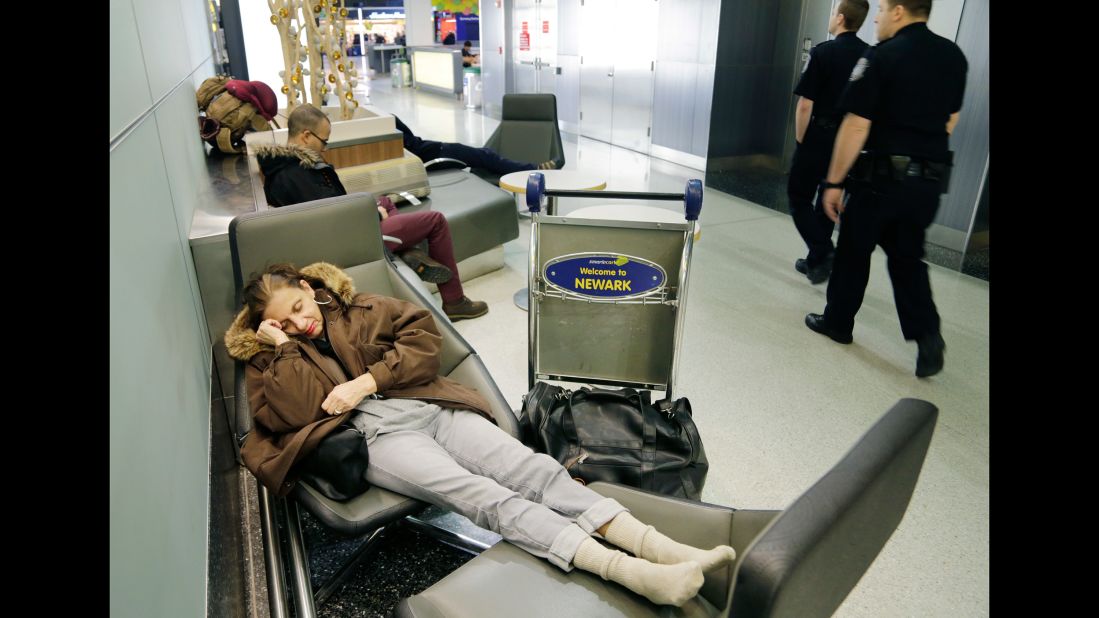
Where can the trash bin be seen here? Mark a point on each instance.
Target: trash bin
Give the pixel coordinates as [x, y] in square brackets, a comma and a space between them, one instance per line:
[401, 72]
[471, 87]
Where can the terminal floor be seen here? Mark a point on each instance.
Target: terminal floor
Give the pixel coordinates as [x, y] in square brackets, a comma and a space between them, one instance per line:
[776, 403]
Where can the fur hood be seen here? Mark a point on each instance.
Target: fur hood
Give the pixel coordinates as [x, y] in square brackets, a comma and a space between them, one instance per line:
[241, 340]
[266, 153]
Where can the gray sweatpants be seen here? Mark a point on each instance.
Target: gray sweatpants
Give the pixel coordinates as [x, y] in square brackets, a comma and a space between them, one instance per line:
[462, 462]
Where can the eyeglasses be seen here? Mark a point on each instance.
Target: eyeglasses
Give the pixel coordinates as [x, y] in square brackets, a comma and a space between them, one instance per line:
[323, 141]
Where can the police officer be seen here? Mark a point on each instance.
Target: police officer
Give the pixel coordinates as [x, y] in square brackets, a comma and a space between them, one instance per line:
[816, 122]
[902, 103]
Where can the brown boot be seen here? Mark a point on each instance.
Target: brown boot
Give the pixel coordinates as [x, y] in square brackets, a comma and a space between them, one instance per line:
[428, 269]
[465, 309]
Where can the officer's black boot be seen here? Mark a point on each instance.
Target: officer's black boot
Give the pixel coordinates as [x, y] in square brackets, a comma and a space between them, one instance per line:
[820, 272]
[929, 360]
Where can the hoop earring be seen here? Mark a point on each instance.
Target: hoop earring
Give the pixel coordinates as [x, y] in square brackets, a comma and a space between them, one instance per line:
[325, 302]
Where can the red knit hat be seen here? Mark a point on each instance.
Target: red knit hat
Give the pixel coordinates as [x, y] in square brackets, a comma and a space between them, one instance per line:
[256, 93]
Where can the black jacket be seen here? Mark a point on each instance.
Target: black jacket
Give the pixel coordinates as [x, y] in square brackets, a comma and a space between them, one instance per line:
[295, 174]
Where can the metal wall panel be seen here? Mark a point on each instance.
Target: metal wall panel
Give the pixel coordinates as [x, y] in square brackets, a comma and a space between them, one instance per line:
[674, 98]
[567, 86]
[678, 39]
[129, 94]
[703, 104]
[568, 19]
[687, 42]
[545, 36]
[707, 28]
[635, 31]
[163, 44]
[567, 83]
[815, 15]
[493, 67]
[159, 393]
[970, 138]
[597, 64]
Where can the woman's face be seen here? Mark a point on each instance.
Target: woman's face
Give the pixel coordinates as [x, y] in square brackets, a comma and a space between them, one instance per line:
[297, 312]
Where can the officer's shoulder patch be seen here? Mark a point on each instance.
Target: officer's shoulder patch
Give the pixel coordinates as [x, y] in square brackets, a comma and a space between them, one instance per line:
[860, 69]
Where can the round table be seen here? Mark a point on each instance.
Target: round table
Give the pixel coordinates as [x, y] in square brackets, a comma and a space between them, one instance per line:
[631, 212]
[560, 180]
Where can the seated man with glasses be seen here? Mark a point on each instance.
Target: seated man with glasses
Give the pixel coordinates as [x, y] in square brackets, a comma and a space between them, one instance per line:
[297, 173]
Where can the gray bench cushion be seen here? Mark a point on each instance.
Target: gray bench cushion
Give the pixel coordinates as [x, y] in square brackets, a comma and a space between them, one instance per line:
[481, 215]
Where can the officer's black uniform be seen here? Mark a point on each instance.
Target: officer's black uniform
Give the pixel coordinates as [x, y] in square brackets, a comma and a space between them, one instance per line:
[907, 86]
[823, 81]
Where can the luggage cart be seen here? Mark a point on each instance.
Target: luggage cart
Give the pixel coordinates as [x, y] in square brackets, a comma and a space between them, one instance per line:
[607, 298]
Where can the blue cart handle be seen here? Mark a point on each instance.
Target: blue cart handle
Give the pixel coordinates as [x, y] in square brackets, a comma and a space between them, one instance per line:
[692, 199]
[536, 191]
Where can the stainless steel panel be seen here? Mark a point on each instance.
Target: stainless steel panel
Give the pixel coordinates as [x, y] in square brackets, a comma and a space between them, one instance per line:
[568, 20]
[546, 34]
[680, 24]
[970, 138]
[493, 67]
[703, 105]
[567, 89]
[707, 28]
[524, 78]
[674, 99]
[634, 33]
[547, 79]
[597, 64]
[797, 21]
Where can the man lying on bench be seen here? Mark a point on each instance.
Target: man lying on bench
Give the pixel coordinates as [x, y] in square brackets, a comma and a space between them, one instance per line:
[430, 437]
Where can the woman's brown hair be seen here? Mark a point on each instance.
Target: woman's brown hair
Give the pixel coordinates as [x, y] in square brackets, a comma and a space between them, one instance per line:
[261, 287]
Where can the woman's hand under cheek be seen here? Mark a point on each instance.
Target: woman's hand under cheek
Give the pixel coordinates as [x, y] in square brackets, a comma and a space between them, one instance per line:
[271, 333]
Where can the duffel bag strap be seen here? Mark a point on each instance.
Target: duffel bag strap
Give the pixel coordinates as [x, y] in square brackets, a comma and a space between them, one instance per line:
[649, 418]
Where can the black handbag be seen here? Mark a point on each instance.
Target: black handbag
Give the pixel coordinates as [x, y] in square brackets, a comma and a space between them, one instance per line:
[617, 436]
[337, 467]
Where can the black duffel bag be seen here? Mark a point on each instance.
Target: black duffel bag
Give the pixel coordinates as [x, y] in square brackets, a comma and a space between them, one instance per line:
[337, 467]
[617, 436]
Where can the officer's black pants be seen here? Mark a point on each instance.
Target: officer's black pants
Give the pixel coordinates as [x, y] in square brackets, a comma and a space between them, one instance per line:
[808, 169]
[894, 214]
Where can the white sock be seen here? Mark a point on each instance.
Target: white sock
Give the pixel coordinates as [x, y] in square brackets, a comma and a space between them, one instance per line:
[662, 584]
[647, 542]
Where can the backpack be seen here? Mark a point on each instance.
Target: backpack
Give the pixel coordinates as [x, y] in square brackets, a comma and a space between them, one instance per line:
[226, 118]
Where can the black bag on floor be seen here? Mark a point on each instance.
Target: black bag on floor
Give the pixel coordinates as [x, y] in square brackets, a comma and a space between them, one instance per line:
[617, 436]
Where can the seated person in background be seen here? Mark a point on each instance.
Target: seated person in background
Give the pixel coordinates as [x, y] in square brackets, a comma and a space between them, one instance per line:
[430, 437]
[483, 158]
[468, 57]
[296, 173]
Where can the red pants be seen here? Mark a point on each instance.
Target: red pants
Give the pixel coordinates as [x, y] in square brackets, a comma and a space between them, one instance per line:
[412, 228]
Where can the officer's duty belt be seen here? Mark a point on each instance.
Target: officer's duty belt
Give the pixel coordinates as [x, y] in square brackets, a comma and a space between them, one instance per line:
[898, 167]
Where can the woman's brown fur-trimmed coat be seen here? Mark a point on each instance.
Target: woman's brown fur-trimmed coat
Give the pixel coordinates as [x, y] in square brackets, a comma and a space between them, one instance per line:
[396, 341]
